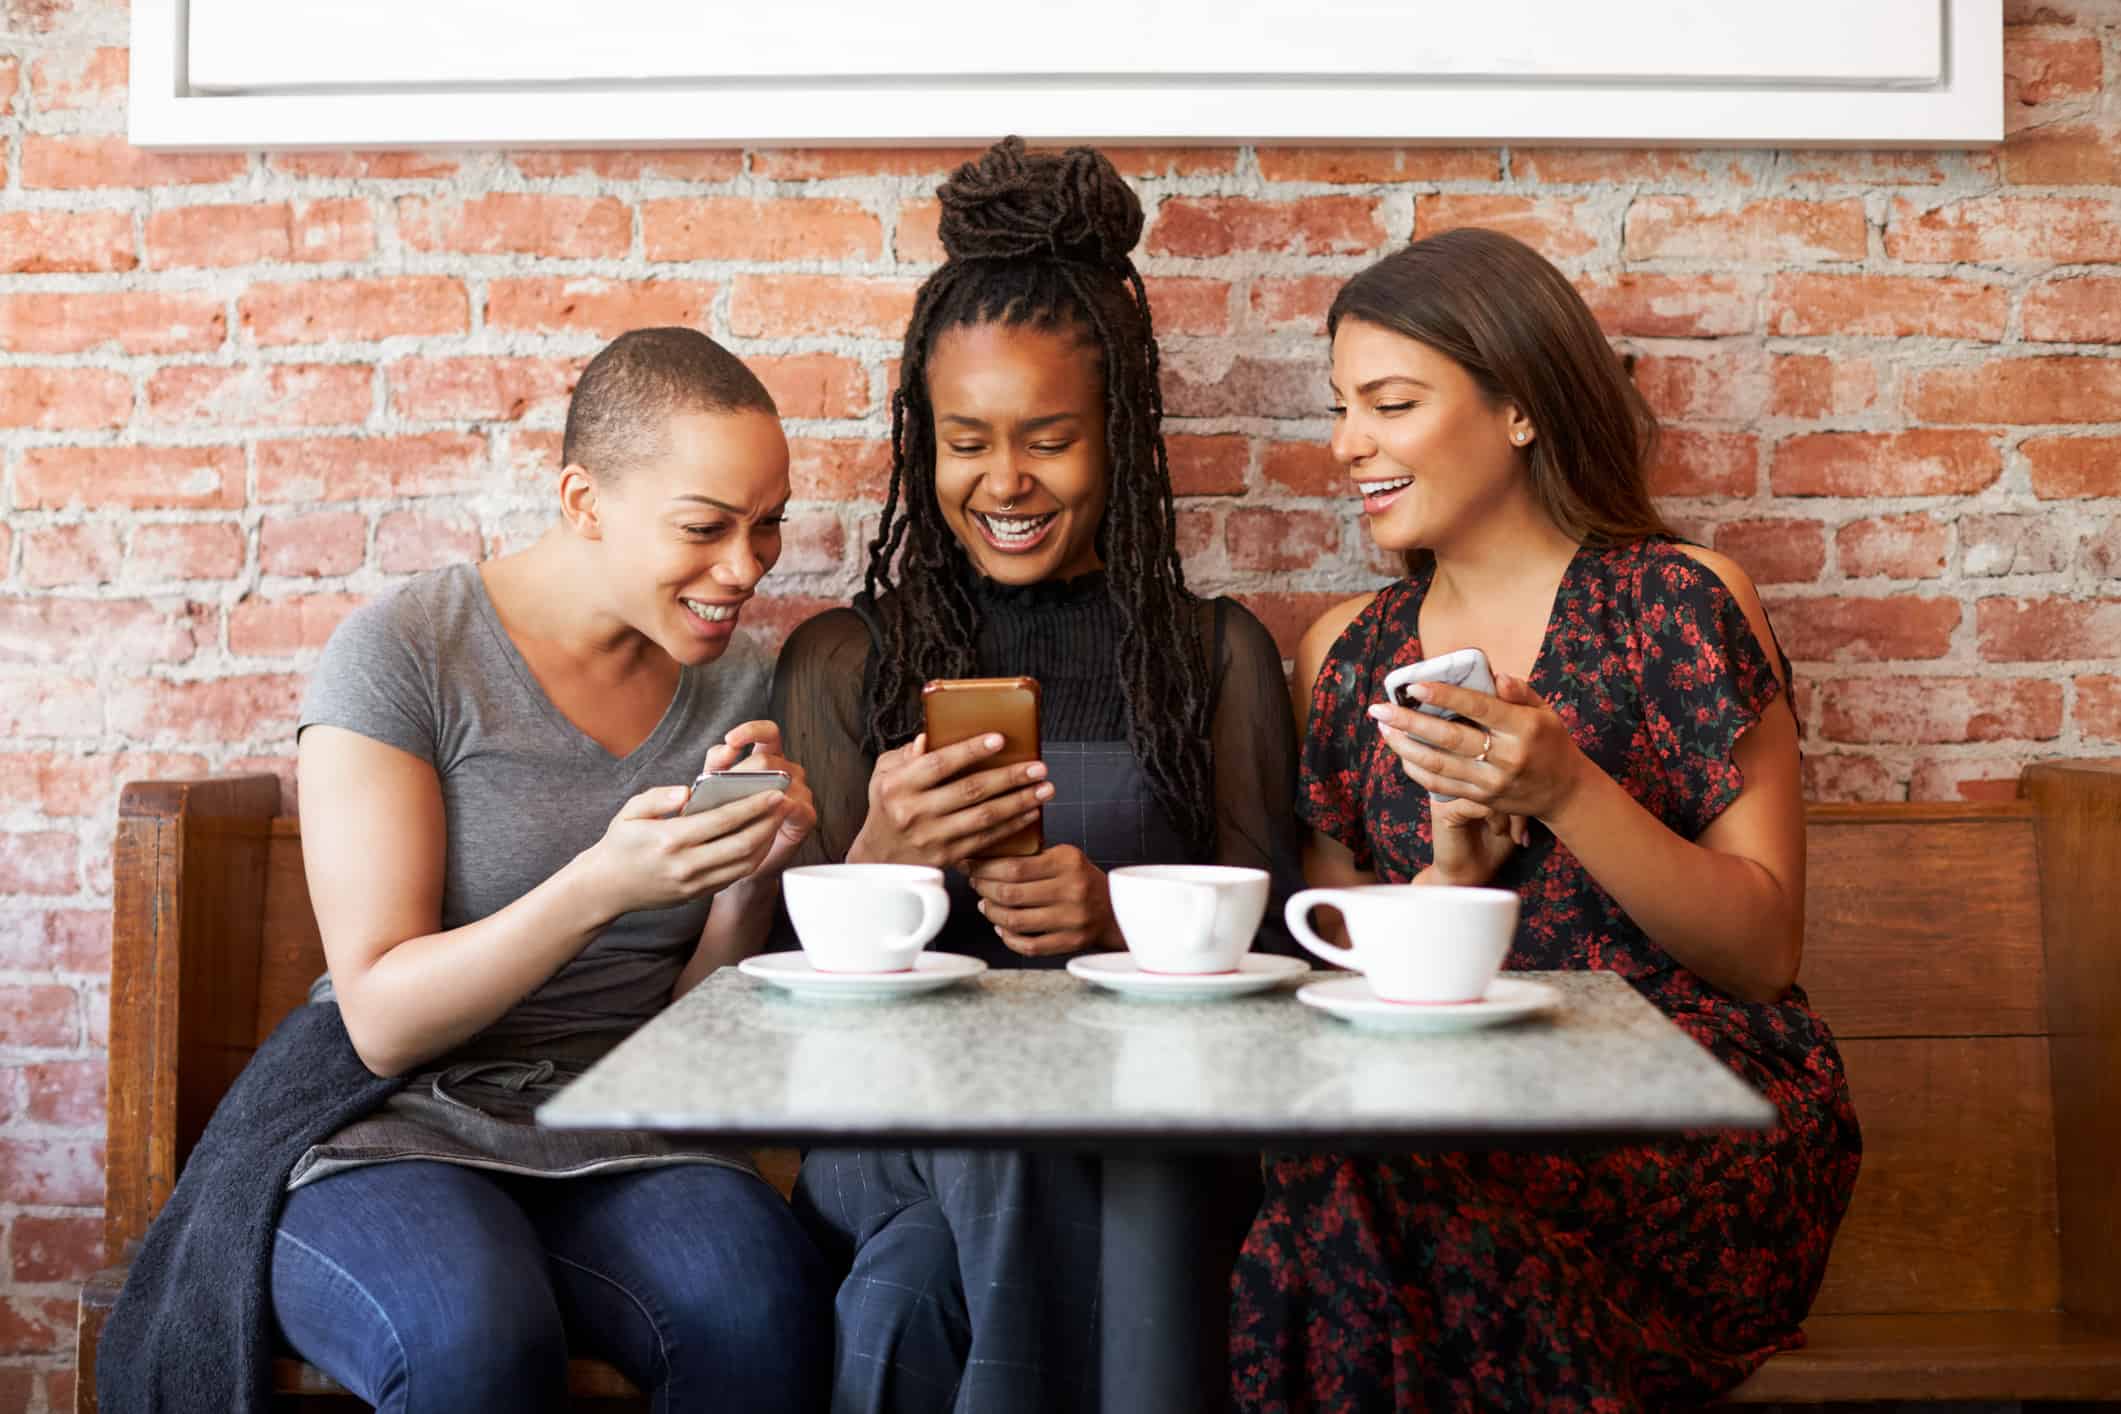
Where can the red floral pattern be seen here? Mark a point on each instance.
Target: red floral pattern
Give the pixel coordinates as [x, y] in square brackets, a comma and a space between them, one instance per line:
[1607, 1280]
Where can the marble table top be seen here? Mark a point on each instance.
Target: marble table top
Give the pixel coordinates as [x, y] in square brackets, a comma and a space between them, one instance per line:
[1038, 1059]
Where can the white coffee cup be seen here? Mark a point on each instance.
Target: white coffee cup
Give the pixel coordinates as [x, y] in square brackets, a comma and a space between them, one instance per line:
[1415, 942]
[865, 917]
[1188, 918]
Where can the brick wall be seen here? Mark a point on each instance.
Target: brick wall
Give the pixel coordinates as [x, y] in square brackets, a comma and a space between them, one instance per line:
[241, 393]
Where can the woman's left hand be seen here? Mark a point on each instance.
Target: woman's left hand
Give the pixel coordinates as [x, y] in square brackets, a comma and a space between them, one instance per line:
[1047, 904]
[798, 810]
[1511, 752]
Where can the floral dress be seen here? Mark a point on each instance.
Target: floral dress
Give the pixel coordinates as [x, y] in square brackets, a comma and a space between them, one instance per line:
[1614, 1279]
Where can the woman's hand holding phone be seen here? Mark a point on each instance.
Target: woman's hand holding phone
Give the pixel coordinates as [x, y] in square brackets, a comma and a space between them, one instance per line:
[1047, 904]
[798, 809]
[1510, 752]
[939, 808]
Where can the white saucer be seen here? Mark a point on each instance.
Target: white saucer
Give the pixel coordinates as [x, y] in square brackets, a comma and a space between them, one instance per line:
[1119, 972]
[791, 971]
[1350, 999]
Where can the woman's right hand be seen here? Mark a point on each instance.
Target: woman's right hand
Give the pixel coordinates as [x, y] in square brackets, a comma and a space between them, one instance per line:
[1470, 841]
[933, 808]
[652, 857]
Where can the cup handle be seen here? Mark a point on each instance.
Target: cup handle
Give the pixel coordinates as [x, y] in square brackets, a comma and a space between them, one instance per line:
[1297, 914]
[935, 911]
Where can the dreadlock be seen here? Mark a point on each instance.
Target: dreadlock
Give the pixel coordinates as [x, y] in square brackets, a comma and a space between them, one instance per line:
[1041, 240]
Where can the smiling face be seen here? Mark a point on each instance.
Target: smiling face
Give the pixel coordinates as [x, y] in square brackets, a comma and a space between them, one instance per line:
[1430, 453]
[1020, 424]
[687, 535]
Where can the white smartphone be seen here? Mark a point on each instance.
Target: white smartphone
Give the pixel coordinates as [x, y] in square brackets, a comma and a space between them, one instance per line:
[718, 788]
[1467, 668]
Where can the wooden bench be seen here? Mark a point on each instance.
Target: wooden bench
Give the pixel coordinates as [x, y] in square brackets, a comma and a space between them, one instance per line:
[1969, 956]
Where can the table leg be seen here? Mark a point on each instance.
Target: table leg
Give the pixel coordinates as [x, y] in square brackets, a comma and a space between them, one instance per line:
[1163, 1309]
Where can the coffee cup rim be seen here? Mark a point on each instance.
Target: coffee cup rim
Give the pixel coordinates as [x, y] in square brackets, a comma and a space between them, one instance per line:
[1190, 873]
[858, 873]
[1425, 890]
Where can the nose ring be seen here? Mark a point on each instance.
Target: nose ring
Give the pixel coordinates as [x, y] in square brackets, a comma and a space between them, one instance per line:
[1008, 506]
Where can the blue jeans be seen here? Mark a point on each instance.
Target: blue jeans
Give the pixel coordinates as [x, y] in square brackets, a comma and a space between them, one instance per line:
[426, 1286]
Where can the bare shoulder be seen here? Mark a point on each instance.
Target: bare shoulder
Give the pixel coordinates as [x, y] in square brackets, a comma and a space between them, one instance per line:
[1326, 629]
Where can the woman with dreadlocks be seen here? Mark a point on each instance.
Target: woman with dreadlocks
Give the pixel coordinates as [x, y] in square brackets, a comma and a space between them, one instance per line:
[1029, 529]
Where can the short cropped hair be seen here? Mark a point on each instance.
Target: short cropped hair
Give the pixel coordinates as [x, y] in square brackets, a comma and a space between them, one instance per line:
[629, 392]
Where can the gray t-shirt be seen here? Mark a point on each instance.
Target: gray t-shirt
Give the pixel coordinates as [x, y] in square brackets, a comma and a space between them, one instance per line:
[429, 670]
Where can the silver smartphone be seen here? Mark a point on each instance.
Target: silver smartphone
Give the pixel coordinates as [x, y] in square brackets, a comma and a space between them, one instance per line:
[1467, 668]
[718, 788]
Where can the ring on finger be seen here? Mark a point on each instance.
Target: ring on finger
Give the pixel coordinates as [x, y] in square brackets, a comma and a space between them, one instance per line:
[1487, 739]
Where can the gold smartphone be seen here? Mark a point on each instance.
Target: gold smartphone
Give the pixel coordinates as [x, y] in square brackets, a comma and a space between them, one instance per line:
[958, 709]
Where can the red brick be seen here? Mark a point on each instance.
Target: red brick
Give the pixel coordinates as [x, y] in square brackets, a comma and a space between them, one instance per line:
[1621, 166]
[85, 161]
[66, 1094]
[2037, 230]
[1180, 305]
[327, 311]
[591, 304]
[408, 541]
[130, 478]
[80, 78]
[326, 543]
[2045, 630]
[812, 543]
[2015, 544]
[784, 306]
[271, 627]
[463, 389]
[54, 1171]
[69, 786]
[57, 399]
[59, 1388]
[174, 552]
[360, 468]
[1987, 778]
[1724, 387]
[1692, 462]
[1867, 168]
[1305, 468]
[1252, 387]
[1847, 630]
[2099, 707]
[65, 1248]
[1887, 306]
[1197, 533]
[1207, 466]
[44, 242]
[2100, 556]
[1924, 462]
[1142, 163]
[1560, 228]
[276, 395]
[77, 940]
[838, 468]
[1845, 777]
[807, 164]
[1763, 232]
[1775, 551]
[70, 554]
[1286, 616]
[2064, 468]
[342, 228]
[2063, 155]
[217, 710]
[744, 228]
[38, 1014]
[198, 236]
[18, 1389]
[815, 385]
[532, 461]
[55, 629]
[715, 164]
[1360, 166]
[1671, 306]
[10, 80]
[2086, 310]
[917, 236]
[115, 321]
[772, 617]
[2039, 69]
[1294, 304]
[362, 166]
[1821, 385]
[1940, 709]
[509, 223]
[1259, 538]
[33, 1327]
[1201, 226]
[44, 862]
[2019, 391]
[1892, 547]
[38, 702]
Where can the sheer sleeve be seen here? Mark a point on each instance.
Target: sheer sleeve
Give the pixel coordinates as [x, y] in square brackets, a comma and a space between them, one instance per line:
[1255, 763]
[1328, 789]
[817, 701]
[1706, 679]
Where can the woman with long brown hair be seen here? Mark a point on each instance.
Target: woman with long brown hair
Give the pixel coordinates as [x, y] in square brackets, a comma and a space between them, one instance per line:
[1634, 777]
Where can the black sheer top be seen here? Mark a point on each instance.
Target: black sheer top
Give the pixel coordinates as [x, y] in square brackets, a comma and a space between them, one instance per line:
[1063, 634]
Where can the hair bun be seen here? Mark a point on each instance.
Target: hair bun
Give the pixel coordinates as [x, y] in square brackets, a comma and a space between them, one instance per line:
[1012, 204]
